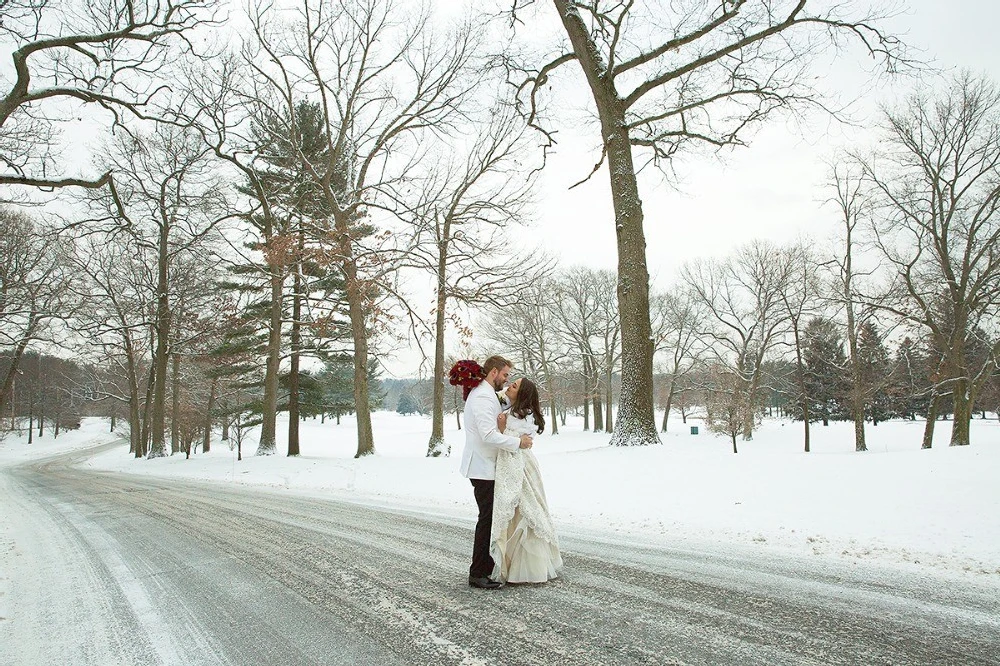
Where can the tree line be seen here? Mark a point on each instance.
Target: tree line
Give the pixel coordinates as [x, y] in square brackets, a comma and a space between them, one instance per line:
[272, 186]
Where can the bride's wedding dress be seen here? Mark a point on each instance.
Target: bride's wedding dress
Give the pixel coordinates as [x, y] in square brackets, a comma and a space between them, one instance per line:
[523, 541]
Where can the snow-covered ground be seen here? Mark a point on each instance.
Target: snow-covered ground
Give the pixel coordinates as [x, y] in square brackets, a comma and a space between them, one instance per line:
[936, 511]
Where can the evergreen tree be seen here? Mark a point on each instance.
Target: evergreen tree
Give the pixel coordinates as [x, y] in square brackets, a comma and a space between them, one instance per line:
[300, 302]
[407, 404]
[337, 381]
[826, 381]
[908, 381]
[875, 368]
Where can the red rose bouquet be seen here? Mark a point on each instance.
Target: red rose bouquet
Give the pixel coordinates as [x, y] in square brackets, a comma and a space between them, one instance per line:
[466, 374]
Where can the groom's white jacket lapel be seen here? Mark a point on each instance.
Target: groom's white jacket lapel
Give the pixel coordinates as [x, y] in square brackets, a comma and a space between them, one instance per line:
[482, 439]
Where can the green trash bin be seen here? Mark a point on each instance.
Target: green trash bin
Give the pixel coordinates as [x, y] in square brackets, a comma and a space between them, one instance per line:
[694, 430]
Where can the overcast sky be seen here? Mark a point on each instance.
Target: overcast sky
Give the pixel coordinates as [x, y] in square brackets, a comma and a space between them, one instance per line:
[772, 189]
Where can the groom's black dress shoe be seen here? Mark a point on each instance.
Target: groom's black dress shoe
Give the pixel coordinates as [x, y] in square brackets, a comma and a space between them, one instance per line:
[484, 583]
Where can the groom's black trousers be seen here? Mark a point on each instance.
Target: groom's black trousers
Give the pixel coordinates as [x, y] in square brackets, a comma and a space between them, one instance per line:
[482, 563]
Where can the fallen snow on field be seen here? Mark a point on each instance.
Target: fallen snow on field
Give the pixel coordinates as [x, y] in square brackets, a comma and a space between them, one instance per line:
[936, 510]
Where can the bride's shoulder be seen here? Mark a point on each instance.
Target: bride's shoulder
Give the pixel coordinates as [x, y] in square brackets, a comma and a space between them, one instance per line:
[526, 424]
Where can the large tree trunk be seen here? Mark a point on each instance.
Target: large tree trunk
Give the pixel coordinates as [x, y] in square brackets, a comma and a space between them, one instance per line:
[671, 390]
[293, 372]
[206, 442]
[598, 412]
[175, 404]
[749, 393]
[856, 396]
[553, 414]
[859, 429]
[594, 391]
[932, 411]
[366, 440]
[961, 415]
[7, 389]
[157, 426]
[138, 448]
[359, 333]
[146, 410]
[135, 416]
[435, 446]
[269, 409]
[636, 421]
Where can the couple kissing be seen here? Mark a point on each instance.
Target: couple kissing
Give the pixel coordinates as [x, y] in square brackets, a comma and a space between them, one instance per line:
[515, 540]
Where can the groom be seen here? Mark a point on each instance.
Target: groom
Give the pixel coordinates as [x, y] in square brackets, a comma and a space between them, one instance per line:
[479, 460]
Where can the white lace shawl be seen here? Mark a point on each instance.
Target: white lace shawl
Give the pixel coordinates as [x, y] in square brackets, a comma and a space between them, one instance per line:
[519, 485]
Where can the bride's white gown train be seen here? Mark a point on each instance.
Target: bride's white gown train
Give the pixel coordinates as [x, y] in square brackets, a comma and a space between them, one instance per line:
[523, 540]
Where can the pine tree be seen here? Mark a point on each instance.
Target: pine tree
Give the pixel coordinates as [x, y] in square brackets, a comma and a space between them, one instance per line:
[312, 314]
[908, 381]
[825, 372]
[407, 404]
[875, 368]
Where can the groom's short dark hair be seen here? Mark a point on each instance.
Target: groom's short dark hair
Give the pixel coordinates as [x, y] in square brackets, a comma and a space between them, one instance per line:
[498, 362]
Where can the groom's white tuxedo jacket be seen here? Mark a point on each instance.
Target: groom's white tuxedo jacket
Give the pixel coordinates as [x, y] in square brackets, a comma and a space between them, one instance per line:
[482, 439]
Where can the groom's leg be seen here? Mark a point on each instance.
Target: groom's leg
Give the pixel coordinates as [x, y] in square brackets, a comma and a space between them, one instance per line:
[482, 563]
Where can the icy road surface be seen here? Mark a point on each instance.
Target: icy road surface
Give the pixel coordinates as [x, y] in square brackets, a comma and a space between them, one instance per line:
[113, 569]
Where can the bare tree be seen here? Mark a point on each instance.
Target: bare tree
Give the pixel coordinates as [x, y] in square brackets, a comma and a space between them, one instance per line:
[169, 198]
[528, 330]
[675, 320]
[668, 76]
[382, 82]
[937, 225]
[584, 297]
[199, 308]
[461, 224]
[117, 287]
[854, 206]
[608, 330]
[745, 315]
[727, 410]
[241, 120]
[34, 293]
[104, 54]
[801, 301]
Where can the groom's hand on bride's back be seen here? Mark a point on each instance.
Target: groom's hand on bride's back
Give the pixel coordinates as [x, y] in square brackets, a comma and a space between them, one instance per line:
[526, 441]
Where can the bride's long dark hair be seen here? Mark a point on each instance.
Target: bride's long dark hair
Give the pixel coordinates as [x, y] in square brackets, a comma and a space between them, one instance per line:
[526, 402]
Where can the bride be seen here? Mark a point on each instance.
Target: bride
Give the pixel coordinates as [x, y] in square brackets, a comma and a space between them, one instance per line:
[523, 541]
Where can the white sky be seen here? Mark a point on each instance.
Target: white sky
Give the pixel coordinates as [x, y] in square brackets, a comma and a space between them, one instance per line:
[774, 188]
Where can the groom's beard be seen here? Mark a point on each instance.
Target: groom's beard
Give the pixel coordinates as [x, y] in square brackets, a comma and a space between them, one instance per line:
[497, 385]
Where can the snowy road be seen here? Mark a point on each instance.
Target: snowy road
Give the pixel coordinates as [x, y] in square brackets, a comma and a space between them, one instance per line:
[110, 569]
